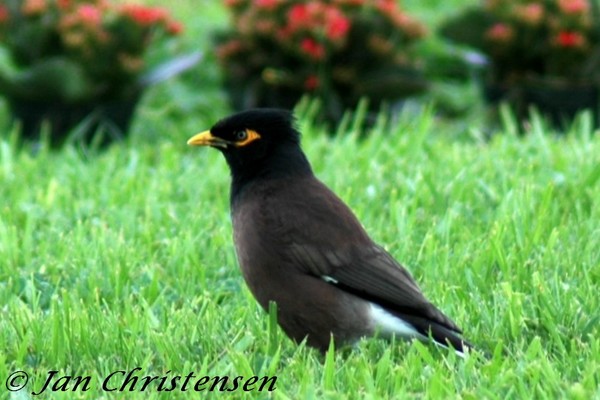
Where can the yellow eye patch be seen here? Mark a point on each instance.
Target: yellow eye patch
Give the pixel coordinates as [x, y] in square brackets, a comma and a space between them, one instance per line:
[250, 136]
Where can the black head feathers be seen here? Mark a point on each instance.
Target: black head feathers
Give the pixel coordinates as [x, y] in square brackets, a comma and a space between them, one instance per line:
[271, 124]
[257, 143]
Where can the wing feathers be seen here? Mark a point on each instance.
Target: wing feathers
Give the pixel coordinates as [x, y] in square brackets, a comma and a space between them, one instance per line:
[372, 274]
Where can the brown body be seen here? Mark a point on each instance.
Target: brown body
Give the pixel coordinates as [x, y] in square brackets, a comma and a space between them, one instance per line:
[299, 316]
[290, 233]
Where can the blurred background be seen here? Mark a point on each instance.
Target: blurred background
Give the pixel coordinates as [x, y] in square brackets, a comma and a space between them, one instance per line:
[162, 67]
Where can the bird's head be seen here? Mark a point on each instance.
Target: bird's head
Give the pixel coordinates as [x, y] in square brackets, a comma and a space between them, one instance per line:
[255, 140]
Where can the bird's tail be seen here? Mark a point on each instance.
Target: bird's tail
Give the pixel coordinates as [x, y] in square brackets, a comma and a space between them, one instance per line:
[435, 327]
[441, 335]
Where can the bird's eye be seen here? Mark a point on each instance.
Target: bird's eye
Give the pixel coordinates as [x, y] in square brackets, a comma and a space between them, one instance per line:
[241, 135]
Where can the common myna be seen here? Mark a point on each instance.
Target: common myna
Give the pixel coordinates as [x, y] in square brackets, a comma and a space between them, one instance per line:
[301, 247]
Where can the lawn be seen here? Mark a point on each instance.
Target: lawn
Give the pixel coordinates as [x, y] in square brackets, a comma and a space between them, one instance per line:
[123, 259]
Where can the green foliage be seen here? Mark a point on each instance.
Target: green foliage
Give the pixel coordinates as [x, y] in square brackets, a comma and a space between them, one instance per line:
[274, 52]
[551, 39]
[101, 46]
[468, 26]
[45, 80]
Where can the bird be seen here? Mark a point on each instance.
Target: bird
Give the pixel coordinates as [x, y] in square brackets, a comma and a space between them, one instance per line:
[300, 246]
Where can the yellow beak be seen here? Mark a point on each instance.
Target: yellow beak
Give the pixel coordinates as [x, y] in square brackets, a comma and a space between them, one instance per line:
[207, 139]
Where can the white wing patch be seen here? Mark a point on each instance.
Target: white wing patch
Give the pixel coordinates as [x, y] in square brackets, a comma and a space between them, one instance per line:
[390, 324]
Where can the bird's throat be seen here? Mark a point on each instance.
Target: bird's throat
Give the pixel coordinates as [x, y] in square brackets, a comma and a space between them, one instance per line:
[285, 162]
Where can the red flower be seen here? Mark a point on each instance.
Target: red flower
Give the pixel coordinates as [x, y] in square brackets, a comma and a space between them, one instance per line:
[531, 13]
[90, 15]
[4, 15]
[573, 6]
[387, 6]
[569, 39]
[34, 7]
[174, 27]
[298, 14]
[500, 32]
[312, 48]
[337, 26]
[311, 82]
[63, 4]
[267, 4]
[145, 16]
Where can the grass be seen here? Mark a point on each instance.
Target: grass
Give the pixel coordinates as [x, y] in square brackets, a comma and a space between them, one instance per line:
[122, 259]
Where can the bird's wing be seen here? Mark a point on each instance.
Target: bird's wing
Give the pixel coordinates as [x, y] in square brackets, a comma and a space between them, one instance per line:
[372, 274]
[330, 243]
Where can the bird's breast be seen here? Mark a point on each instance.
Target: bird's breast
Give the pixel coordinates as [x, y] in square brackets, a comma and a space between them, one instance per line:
[258, 249]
